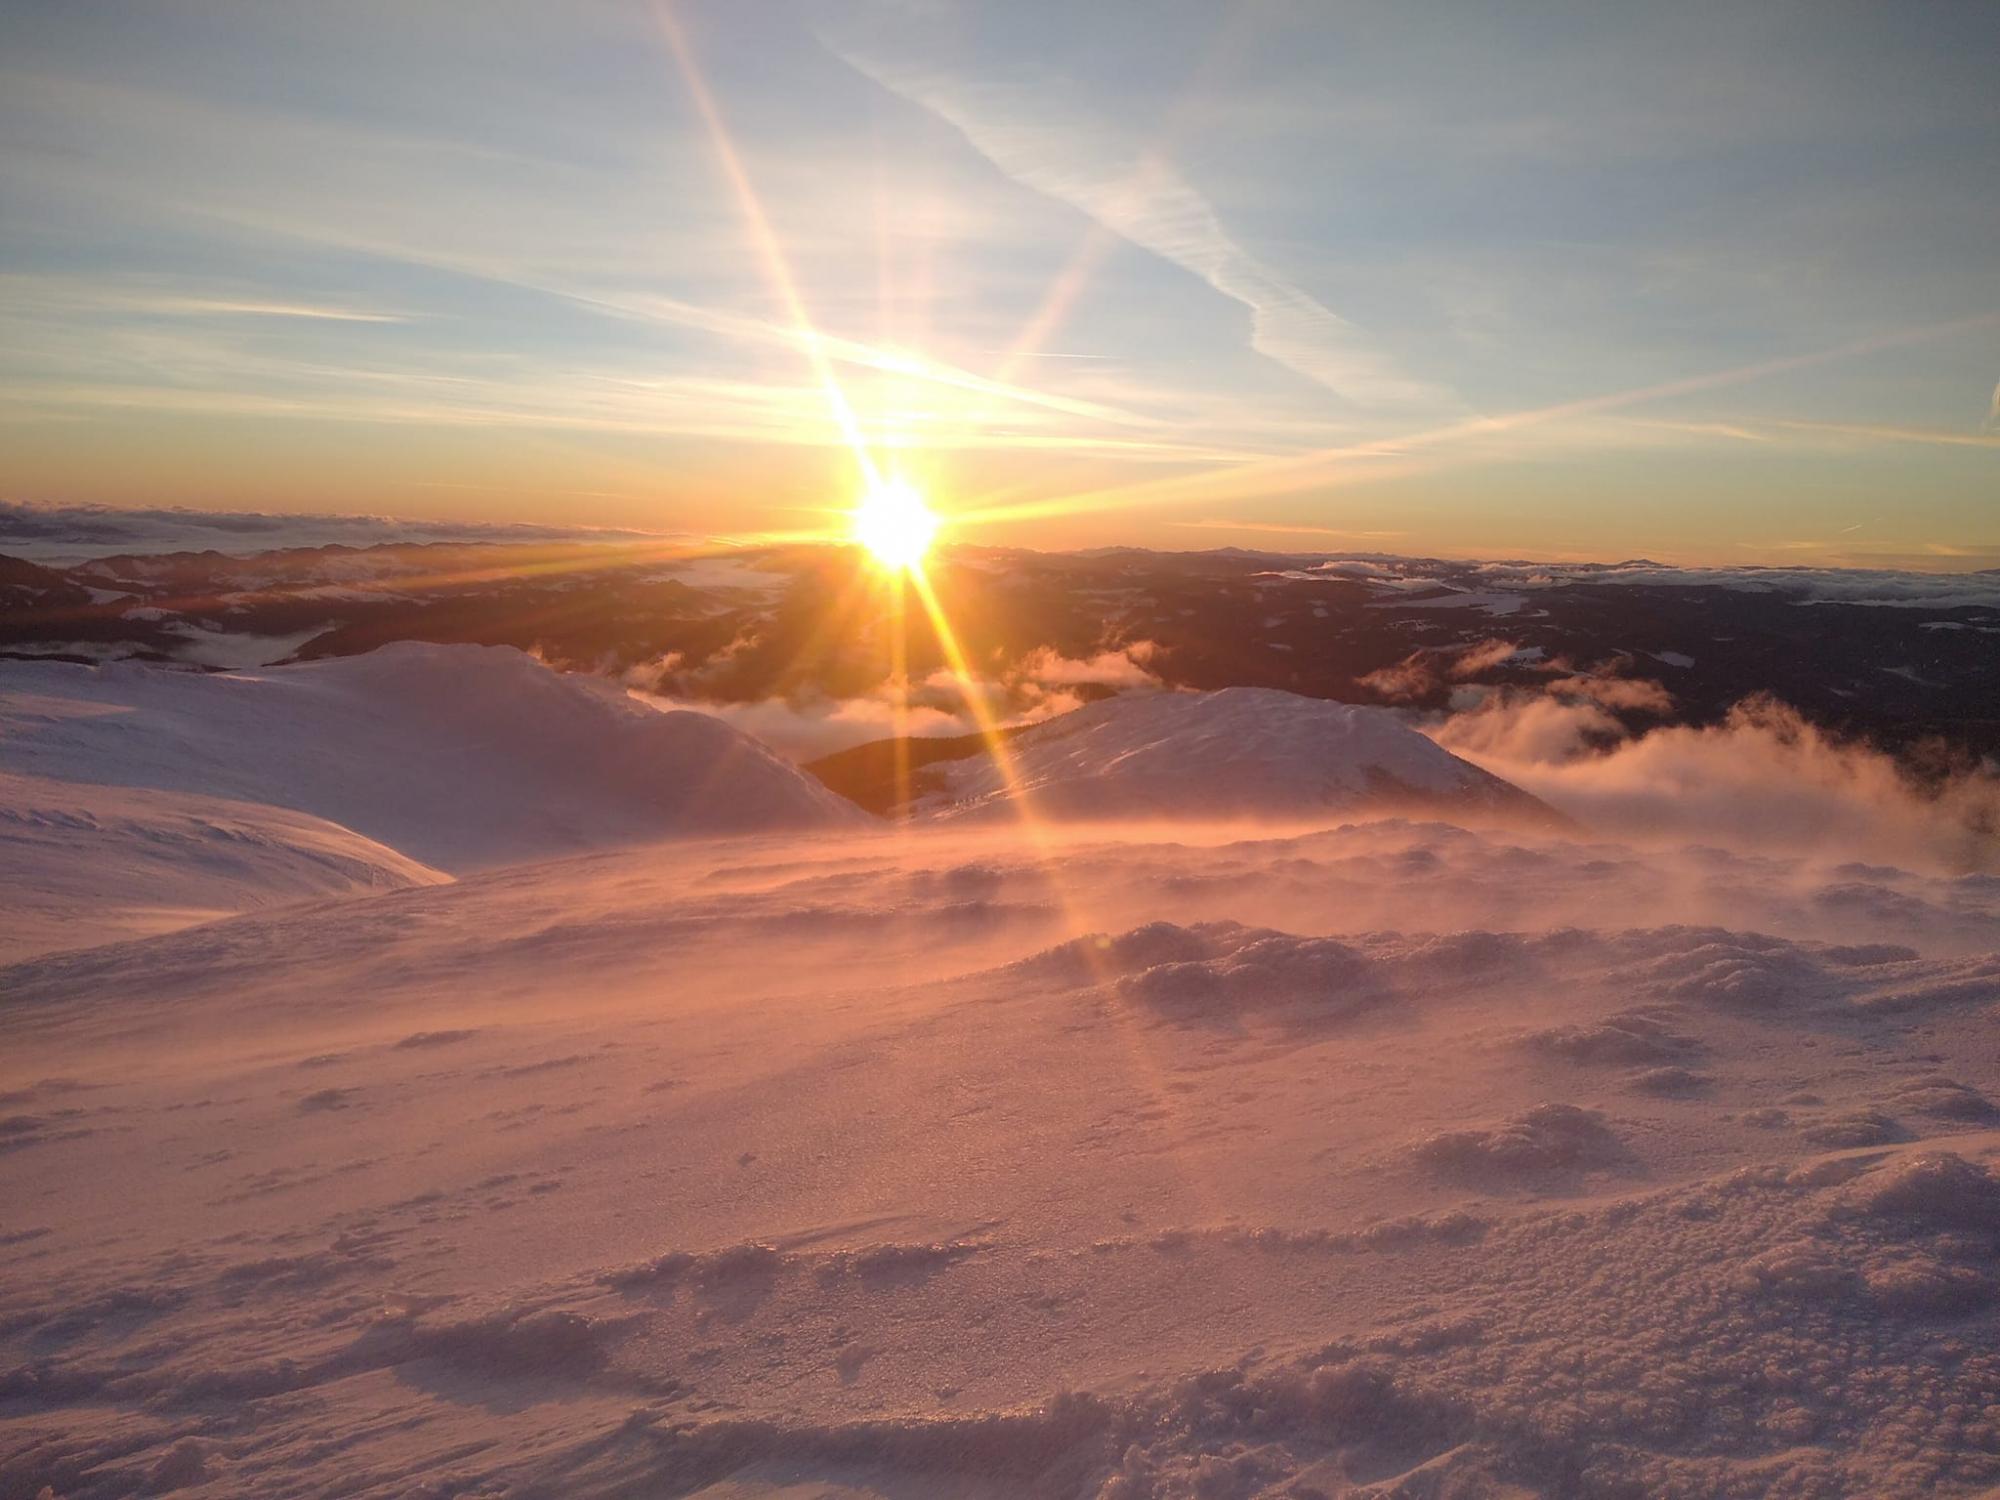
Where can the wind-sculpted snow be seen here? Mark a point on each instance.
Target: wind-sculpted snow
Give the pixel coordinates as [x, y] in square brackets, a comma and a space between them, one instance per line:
[1821, 1330]
[1542, 1139]
[1631, 1038]
[1393, 1159]
[1216, 967]
[1269, 971]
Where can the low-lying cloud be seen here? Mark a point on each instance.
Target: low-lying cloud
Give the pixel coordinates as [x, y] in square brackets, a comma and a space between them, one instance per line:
[1763, 780]
[1451, 674]
[72, 533]
[1040, 685]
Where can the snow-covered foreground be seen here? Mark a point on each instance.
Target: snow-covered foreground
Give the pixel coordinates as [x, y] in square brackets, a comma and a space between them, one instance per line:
[1391, 1159]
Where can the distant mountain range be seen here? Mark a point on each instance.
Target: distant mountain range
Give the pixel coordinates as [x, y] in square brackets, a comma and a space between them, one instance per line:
[1899, 657]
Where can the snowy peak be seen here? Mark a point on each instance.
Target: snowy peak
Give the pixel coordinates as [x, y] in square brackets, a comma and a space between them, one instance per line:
[1237, 753]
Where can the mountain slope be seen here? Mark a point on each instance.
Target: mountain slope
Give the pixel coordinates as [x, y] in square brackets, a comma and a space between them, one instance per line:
[1236, 753]
[455, 756]
[83, 865]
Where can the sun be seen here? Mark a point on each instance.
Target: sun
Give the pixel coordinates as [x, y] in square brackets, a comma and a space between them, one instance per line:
[895, 525]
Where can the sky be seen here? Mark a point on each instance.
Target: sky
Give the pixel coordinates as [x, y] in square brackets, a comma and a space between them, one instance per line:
[1711, 283]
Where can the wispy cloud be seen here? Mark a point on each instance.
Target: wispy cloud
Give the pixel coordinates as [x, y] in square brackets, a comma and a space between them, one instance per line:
[1885, 432]
[1279, 528]
[1801, 429]
[201, 307]
[260, 206]
[1465, 441]
[1042, 248]
[147, 296]
[1144, 200]
[218, 376]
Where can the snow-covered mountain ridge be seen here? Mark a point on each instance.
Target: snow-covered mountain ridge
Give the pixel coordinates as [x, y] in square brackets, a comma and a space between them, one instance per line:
[459, 756]
[135, 799]
[1244, 752]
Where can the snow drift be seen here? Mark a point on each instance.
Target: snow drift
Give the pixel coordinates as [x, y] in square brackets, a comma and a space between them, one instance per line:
[1237, 753]
[979, 1164]
[83, 865]
[455, 756]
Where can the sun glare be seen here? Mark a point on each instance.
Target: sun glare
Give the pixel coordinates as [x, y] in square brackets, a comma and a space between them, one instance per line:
[895, 525]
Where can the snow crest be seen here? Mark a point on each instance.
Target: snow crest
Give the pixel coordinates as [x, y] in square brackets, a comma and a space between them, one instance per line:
[1237, 753]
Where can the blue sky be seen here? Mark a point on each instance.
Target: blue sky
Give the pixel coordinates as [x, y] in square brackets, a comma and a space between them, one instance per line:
[1707, 282]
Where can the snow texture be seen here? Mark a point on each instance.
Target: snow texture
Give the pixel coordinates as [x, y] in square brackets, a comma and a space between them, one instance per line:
[962, 1160]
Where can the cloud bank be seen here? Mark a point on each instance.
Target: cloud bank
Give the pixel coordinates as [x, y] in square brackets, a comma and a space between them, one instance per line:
[1762, 781]
[73, 533]
[1040, 685]
[1879, 587]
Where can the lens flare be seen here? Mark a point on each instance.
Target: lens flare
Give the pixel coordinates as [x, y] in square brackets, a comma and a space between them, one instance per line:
[895, 525]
